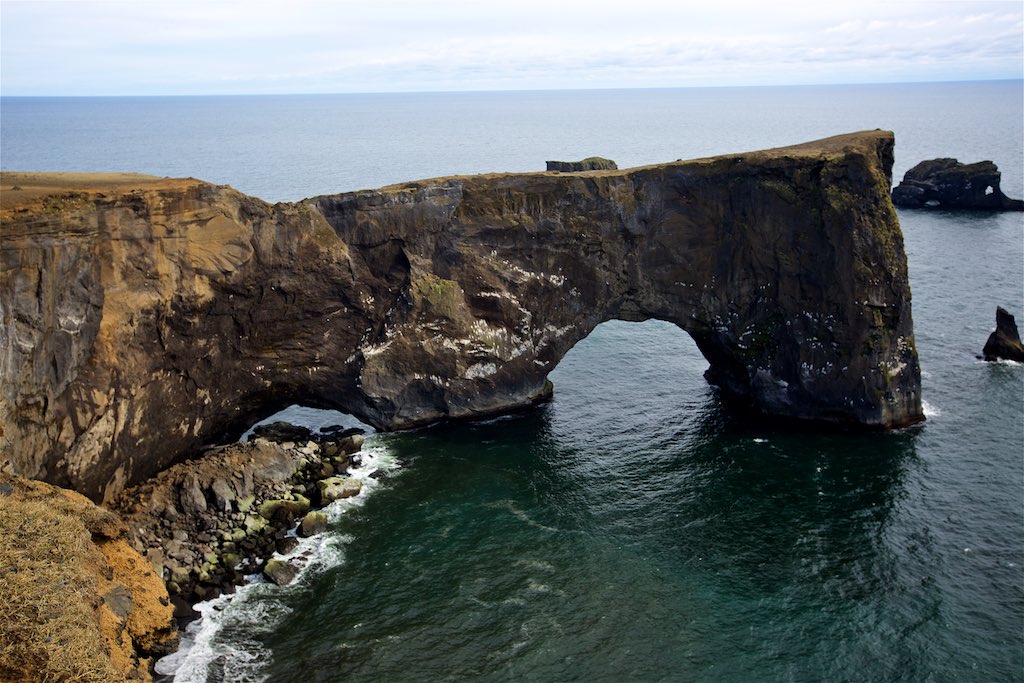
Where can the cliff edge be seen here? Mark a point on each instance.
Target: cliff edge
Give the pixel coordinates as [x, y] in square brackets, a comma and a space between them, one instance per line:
[145, 317]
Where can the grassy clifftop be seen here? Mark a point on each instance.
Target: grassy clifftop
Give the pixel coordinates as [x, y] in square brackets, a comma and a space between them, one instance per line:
[78, 603]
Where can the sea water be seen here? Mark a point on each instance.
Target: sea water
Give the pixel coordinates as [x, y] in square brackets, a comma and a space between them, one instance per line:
[633, 529]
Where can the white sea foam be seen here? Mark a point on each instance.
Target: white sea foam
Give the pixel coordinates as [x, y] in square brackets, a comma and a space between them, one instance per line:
[929, 409]
[519, 514]
[535, 564]
[256, 607]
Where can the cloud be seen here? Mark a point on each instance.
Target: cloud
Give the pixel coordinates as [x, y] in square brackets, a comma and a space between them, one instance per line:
[191, 47]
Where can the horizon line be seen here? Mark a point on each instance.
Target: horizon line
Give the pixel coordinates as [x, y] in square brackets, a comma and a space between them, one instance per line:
[525, 90]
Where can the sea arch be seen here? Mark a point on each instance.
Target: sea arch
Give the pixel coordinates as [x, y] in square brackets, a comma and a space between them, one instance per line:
[786, 267]
[145, 320]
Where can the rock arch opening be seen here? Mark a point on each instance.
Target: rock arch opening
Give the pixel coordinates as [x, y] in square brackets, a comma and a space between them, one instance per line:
[314, 419]
[633, 375]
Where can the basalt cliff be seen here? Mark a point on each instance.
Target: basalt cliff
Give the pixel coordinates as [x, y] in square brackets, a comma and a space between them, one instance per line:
[143, 318]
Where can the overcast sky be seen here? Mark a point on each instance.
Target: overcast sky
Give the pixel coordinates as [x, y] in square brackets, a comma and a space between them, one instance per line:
[167, 48]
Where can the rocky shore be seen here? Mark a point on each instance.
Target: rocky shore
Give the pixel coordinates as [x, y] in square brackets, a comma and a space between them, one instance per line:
[92, 593]
[206, 523]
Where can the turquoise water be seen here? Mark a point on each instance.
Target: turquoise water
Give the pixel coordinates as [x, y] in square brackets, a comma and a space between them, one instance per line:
[634, 529]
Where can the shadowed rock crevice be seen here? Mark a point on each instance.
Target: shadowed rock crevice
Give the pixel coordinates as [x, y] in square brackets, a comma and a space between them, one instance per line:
[202, 310]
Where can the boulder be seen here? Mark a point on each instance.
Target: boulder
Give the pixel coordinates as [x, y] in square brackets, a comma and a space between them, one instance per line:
[223, 495]
[286, 545]
[1004, 342]
[280, 572]
[351, 444]
[313, 523]
[336, 488]
[279, 509]
[948, 184]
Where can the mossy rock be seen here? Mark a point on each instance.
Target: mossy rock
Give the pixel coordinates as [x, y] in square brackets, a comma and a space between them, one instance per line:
[437, 295]
[313, 523]
[280, 572]
[337, 488]
[281, 509]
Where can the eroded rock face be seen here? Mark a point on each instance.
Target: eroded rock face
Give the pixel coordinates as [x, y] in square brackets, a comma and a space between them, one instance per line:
[948, 184]
[143, 321]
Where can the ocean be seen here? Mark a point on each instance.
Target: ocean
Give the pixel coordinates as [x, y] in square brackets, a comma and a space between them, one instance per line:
[634, 528]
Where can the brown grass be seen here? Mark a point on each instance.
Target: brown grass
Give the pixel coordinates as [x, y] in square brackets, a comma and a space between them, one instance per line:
[49, 629]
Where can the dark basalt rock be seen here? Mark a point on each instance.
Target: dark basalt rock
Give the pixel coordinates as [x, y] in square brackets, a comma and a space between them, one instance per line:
[588, 164]
[1004, 342]
[948, 184]
[140, 324]
[281, 432]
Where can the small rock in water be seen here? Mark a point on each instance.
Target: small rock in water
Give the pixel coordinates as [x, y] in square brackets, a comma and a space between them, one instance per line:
[286, 545]
[351, 444]
[281, 432]
[339, 432]
[280, 572]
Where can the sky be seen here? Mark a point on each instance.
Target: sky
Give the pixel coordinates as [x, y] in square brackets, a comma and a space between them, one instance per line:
[140, 47]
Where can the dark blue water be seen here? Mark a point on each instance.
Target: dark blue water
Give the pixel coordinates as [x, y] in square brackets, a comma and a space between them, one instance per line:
[634, 529]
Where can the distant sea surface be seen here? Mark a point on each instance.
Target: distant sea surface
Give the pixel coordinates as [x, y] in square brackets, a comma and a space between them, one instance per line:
[633, 529]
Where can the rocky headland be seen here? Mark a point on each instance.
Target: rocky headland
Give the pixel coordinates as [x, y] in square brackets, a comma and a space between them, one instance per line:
[144, 318]
[949, 184]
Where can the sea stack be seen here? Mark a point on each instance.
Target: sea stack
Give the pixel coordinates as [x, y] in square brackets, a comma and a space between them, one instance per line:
[1004, 342]
[588, 164]
[948, 184]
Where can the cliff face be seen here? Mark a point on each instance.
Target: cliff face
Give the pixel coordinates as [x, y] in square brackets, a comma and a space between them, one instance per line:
[147, 317]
